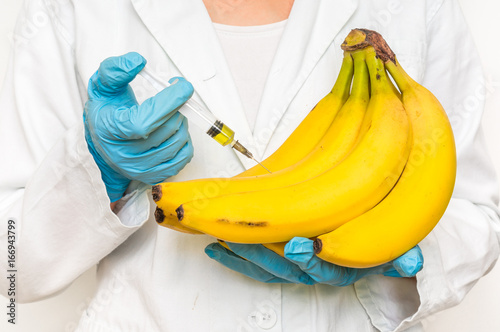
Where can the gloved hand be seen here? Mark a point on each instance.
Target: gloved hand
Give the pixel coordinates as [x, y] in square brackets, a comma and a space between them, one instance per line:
[148, 142]
[300, 265]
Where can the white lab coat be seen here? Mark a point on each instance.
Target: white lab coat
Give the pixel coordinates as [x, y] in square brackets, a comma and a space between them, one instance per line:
[150, 278]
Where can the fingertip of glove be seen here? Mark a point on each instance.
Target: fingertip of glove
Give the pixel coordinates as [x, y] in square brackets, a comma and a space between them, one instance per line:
[298, 246]
[134, 60]
[212, 252]
[303, 259]
[175, 80]
[131, 63]
[185, 86]
[410, 264]
[116, 72]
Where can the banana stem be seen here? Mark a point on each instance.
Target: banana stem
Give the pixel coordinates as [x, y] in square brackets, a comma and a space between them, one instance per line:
[361, 80]
[401, 77]
[342, 85]
[379, 80]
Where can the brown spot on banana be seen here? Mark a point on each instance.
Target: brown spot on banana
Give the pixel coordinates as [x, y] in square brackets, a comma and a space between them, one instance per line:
[156, 192]
[245, 223]
[252, 223]
[180, 213]
[159, 215]
[317, 246]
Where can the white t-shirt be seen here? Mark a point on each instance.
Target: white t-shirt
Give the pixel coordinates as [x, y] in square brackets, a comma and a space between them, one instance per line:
[249, 52]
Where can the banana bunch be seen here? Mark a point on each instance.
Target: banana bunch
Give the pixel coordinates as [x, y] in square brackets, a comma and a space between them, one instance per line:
[372, 178]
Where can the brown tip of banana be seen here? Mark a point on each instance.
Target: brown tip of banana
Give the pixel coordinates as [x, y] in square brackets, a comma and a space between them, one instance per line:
[180, 213]
[361, 38]
[317, 246]
[156, 192]
[159, 215]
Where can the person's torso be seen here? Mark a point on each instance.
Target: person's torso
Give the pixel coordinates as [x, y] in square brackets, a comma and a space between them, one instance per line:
[161, 280]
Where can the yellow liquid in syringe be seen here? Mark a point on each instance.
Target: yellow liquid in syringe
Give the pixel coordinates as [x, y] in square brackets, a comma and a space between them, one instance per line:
[224, 135]
[221, 133]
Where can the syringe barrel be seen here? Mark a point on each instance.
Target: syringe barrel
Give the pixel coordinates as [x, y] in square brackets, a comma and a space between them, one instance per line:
[207, 122]
[196, 114]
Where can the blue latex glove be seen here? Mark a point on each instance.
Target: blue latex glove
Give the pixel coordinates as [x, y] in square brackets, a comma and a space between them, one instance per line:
[300, 265]
[148, 142]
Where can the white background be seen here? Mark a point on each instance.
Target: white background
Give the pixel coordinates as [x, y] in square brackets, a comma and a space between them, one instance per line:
[480, 311]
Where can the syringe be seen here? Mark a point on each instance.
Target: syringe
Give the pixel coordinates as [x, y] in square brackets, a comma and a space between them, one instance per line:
[203, 118]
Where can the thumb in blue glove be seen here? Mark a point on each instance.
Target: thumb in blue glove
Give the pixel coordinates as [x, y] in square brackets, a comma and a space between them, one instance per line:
[148, 142]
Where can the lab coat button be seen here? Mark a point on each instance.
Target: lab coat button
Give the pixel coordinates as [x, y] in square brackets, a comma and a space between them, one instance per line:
[266, 318]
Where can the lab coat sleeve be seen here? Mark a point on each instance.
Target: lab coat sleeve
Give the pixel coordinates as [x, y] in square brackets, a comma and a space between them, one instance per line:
[464, 246]
[50, 187]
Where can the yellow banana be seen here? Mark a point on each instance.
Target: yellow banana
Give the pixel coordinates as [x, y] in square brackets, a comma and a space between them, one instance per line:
[331, 149]
[325, 202]
[417, 202]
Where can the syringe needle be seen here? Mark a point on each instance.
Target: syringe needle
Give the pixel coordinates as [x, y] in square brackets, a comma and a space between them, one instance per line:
[261, 165]
[243, 150]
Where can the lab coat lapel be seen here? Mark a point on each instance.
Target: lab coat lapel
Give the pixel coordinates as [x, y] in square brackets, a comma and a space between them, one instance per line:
[199, 58]
[310, 30]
